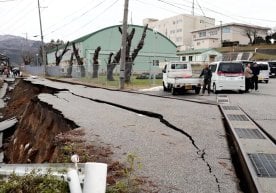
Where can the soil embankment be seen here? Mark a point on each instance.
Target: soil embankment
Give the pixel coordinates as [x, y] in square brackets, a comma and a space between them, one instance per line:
[44, 135]
[38, 125]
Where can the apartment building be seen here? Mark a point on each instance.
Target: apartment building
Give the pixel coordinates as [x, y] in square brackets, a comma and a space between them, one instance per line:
[178, 28]
[212, 37]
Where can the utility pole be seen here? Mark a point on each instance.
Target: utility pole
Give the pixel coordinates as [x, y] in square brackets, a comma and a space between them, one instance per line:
[42, 41]
[123, 47]
[221, 41]
[193, 8]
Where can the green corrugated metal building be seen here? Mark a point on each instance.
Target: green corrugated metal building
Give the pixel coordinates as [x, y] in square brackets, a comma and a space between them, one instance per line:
[156, 47]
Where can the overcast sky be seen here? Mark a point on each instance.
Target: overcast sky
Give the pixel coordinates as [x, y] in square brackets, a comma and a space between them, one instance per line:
[71, 19]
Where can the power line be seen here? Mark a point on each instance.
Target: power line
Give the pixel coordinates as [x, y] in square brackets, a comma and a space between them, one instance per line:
[3, 1]
[106, 9]
[76, 18]
[20, 17]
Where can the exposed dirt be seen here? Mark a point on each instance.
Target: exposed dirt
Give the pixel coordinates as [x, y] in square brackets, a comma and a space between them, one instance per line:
[44, 135]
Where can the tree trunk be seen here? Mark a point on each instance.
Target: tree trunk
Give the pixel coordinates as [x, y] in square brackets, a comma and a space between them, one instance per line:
[79, 60]
[111, 65]
[109, 70]
[96, 62]
[130, 60]
[59, 58]
[69, 70]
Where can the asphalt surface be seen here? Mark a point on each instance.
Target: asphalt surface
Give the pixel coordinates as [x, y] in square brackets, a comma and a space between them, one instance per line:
[181, 144]
[261, 105]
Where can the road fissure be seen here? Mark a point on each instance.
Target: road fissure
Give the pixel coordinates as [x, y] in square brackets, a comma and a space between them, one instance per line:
[200, 152]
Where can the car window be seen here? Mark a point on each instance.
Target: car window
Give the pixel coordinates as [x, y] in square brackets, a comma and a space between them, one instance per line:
[213, 67]
[179, 66]
[272, 64]
[231, 67]
[263, 66]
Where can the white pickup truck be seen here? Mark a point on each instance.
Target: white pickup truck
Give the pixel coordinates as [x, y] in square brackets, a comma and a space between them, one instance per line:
[179, 76]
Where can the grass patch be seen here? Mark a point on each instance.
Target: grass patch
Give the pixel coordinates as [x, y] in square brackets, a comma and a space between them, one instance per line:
[258, 56]
[33, 183]
[135, 84]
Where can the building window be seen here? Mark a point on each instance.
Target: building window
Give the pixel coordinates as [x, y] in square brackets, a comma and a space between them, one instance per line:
[183, 58]
[226, 30]
[178, 39]
[213, 32]
[198, 43]
[202, 34]
[201, 21]
[190, 58]
[179, 30]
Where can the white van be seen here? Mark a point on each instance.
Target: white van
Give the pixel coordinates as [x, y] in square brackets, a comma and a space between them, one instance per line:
[264, 71]
[227, 75]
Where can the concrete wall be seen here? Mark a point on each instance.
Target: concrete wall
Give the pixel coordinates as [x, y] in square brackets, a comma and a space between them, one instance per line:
[179, 28]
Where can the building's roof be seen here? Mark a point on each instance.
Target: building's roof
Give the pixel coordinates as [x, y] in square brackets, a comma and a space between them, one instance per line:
[234, 24]
[196, 51]
[83, 38]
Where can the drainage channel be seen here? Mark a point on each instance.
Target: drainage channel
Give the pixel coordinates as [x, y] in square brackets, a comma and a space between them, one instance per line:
[255, 150]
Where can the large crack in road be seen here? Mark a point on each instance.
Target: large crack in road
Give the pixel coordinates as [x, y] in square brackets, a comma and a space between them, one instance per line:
[200, 152]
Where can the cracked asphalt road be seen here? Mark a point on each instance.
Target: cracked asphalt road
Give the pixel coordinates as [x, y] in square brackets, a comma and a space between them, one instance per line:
[169, 157]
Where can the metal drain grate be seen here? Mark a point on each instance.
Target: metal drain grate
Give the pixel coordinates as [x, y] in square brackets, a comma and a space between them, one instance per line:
[223, 100]
[264, 164]
[237, 117]
[230, 108]
[249, 133]
[223, 96]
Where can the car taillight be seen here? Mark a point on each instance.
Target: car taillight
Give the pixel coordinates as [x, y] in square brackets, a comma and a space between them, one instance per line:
[220, 73]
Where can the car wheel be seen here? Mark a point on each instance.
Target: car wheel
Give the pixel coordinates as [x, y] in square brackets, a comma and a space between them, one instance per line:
[164, 87]
[173, 91]
[197, 90]
[266, 81]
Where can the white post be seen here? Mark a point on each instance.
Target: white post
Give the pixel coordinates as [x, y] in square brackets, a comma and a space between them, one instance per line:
[95, 177]
[73, 181]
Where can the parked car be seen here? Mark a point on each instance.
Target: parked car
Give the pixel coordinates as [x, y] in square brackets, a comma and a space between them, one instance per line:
[264, 71]
[144, 75]
[272, 66]
[227, 75]
[179, 76]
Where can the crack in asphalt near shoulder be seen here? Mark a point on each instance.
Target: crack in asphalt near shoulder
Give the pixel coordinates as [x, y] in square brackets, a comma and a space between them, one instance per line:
[199, 152]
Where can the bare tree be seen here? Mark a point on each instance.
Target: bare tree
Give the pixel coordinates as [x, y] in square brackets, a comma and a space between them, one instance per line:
[96, 62]
[79, 60]
[129, 57]
[251, 34]
[59, 58]
[111, 65]
[130, 60]
[27, 58]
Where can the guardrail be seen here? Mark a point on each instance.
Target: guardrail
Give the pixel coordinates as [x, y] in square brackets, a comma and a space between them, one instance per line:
[91, 175]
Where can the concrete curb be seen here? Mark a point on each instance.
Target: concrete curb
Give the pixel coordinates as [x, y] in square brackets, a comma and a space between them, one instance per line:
[257, 153]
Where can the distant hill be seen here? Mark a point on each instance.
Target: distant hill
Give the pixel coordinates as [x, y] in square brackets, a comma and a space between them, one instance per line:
[14, 46]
